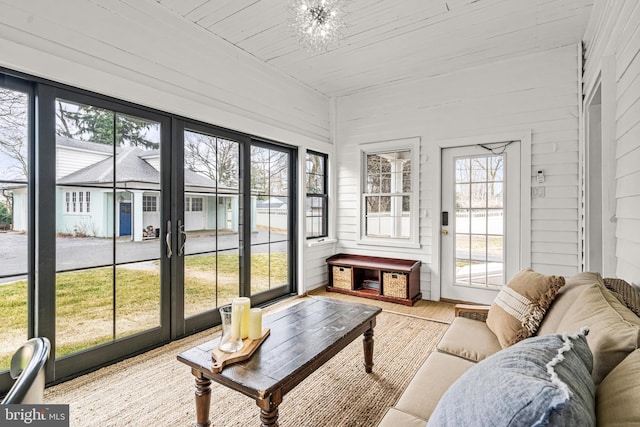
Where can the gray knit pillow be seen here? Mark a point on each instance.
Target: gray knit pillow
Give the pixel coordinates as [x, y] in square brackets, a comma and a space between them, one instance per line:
[539, 381]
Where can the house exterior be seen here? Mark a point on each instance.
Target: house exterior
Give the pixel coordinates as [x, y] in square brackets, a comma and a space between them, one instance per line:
[88, 205]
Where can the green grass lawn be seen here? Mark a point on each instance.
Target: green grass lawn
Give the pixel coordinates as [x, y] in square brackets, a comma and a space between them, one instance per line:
[85, 299]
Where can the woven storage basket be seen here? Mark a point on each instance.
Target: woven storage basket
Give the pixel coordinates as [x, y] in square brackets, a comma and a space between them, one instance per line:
[394, 285]
[341, 277]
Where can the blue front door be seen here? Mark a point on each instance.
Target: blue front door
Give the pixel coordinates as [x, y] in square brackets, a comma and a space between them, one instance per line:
[125, 219]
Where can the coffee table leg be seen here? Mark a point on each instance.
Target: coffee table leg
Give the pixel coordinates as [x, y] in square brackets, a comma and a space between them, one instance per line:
[269, 418]
[203, 401]
[367, 343]
[269, 409]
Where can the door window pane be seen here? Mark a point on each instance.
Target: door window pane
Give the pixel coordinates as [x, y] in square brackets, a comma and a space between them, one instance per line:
[107, 245]
[211, 187]
[271, 236]
[480, 231]
[14, 222]
[463, 220]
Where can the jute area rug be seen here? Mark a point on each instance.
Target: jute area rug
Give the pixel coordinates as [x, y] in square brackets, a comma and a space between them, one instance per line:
[429, 310]
[155, 389]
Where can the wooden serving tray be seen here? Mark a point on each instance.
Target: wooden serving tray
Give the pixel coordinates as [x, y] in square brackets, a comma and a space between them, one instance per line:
[222, 358]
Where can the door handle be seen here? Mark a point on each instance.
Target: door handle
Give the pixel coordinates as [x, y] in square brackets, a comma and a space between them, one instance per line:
[182, 238]
[445, 218]
[167, 239]
[445, 232]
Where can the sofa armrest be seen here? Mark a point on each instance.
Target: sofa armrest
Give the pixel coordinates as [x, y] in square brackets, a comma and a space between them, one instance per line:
[473, 312]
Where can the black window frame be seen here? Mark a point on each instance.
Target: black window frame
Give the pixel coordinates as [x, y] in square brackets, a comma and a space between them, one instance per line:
[197, 204]
[149, 203]
[323, 196]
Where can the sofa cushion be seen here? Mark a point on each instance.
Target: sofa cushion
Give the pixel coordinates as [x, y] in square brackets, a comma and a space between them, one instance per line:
[539, 381]
[396, 418]
[520, 306]
[469, 339]
[614, 329]
[434, 377]
[617, 395]
[564, 300]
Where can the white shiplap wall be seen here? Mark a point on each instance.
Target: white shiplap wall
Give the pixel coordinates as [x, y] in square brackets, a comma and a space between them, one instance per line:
[69, 160]
[538, 92]
[613, 37]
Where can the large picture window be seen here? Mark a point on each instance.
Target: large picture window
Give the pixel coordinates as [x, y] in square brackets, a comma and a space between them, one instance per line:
[389, 204]
[316, 206]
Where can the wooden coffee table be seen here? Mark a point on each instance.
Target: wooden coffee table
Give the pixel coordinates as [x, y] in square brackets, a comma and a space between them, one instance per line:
[303, 337]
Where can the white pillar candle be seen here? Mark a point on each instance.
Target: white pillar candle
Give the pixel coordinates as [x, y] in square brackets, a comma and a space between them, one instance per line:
[255, 323]
[236, 320]
[244, 326]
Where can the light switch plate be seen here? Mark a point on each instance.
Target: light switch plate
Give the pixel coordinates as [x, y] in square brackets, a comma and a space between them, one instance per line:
[537, 192]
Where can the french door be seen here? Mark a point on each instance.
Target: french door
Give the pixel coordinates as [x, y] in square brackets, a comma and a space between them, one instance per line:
[209, 229]
[234, 222]
[272, 222]
[112, 179]
[480, 220]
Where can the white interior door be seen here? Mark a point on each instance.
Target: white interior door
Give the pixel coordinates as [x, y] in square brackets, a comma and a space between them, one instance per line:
[480, 221]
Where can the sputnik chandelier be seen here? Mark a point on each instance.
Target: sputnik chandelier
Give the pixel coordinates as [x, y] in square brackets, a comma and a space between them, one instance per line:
[318, 23]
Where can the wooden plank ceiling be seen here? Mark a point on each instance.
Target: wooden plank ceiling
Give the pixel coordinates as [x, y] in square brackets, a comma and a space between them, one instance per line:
[392, 40]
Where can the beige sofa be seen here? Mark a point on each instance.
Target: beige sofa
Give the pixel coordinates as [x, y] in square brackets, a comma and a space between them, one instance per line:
[609, 307]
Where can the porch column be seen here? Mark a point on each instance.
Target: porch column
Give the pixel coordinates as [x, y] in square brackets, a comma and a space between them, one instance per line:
[136, 215]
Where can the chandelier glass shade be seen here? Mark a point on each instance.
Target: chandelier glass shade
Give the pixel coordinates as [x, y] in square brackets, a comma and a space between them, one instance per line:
[318, 23]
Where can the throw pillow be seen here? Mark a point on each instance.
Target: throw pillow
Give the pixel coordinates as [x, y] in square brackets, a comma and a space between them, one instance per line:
[539, 381]
[615, 330]
[521, 305]
[564, 300]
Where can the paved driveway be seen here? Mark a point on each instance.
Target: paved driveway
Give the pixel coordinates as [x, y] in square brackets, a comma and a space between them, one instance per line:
[82, 252]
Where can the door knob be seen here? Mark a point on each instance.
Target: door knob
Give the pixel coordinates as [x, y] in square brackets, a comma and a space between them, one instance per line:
[445, 232]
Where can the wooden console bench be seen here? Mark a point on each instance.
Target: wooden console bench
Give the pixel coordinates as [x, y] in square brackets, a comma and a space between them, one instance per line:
[386, 279]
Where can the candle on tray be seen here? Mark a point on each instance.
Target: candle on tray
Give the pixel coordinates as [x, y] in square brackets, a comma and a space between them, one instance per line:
[255, 323]
[236, 321]
[244, 324]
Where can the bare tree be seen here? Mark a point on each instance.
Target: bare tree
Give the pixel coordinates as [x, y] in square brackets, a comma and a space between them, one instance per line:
[13, 134]
[62, 124]
[269, 171]
[13, 148]
[215, 158]
[478, 170]
[315, 174]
